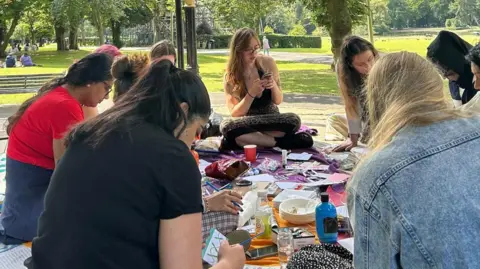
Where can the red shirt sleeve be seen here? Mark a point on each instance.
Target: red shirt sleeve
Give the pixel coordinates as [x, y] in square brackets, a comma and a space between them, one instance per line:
[66, 115]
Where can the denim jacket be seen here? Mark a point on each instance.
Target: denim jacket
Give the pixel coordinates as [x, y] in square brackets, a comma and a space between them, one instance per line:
[416, 203]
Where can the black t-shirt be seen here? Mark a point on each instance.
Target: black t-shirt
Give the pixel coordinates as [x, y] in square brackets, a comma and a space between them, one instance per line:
[104, 204]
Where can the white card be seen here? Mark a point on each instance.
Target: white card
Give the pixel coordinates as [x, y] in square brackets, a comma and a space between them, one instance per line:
[287, 185]
[347, 243]
[261, 178]
[299, 156]
[210, 252]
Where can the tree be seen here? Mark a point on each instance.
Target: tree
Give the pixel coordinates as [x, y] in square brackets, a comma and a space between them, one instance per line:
[103, 11]
[467, 11]
[135, 13]
[241, 13]
[281, 19]
[11, 12]
[338, 17]
[298, 30]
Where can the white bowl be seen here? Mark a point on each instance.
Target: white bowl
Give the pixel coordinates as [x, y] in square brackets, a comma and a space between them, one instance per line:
[305, 216]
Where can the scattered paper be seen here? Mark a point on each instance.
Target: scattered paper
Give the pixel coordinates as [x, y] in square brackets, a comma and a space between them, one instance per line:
[261, 178]
[315, 166]
[347, 243]
[338, 178]
[249, 228]
[299, 156]
[342, 211]
[287, 185]
[339, 156]
[202, 164]
[210, 252]
[15, 257]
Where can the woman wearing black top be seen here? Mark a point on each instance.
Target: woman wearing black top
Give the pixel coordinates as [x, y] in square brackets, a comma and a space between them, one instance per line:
[126, 194]
[448, 52]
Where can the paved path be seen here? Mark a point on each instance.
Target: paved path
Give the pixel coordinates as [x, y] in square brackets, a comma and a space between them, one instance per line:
[313, 109]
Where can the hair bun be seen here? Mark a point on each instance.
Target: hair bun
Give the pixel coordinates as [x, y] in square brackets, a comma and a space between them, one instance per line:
[129, 66]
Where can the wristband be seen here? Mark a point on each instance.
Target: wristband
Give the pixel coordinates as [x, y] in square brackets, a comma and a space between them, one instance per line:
[250, 94]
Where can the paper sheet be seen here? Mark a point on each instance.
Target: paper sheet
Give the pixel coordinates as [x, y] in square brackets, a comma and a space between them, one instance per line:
[261, 178]
[343, 211]
[338, 178]
[347, 243]
[287, 185]
[299, 156]
[210, 252]
[15, 257]
[202, 165]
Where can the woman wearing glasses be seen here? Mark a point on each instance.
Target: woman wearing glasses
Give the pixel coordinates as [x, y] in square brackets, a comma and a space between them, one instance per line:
[253, 91]
[36, 144]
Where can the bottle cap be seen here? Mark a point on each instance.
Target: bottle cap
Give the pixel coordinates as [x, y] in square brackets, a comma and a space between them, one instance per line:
[324, 197]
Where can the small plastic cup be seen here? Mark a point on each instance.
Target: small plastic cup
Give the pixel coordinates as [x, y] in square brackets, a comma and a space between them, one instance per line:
[250, 153]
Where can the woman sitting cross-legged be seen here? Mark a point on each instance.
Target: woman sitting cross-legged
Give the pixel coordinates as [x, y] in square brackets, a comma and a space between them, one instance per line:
[253, 91]
[36, 145]
[410, 204]
[127, 193]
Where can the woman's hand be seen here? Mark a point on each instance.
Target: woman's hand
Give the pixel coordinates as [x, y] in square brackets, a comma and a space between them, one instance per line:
[232, 257]
[256, 89]
[223, 201]
[348, 144]
[268, 82]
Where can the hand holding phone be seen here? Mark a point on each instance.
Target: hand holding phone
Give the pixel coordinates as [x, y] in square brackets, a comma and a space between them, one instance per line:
[233, 255]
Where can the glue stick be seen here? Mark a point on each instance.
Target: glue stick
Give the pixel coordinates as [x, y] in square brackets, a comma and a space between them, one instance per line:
[284, 158]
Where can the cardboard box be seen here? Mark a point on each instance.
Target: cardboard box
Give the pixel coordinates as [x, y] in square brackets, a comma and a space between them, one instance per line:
[301, 237]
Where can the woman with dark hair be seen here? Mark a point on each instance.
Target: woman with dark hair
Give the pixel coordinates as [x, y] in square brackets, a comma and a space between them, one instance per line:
[448, 53]
[138, 205]
[474, 58]
[36, 143]
[356, 59]
[253, 93]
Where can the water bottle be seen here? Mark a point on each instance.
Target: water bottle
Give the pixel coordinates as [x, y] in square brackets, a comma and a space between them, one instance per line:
[262, 216]
[326, 220]
[285, 246]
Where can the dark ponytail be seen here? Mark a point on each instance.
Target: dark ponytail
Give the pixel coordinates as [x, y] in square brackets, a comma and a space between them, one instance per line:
[154, 99]
[90, 69]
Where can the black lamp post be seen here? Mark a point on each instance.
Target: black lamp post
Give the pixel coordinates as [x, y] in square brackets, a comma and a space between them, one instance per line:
[191, 36]
[178, 17]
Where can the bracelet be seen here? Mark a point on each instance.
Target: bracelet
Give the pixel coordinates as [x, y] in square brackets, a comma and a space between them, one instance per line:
[207, 208]
[250, 95]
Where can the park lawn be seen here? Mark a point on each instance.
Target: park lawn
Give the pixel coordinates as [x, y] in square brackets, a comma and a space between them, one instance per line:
[296, 77]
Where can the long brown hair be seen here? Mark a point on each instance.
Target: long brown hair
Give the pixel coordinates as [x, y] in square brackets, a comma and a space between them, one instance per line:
[90, 69]
[162, 48]
[350, 80]
[235, 66]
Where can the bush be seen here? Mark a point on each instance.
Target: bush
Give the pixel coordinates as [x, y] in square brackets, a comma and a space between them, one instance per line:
[381, 29]
[298, 30]
[276, 41]
[268, 30]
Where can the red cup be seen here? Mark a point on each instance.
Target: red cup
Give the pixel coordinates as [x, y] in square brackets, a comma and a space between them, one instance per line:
[250, 153]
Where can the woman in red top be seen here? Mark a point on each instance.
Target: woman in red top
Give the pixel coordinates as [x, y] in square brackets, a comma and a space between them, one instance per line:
[36, 144]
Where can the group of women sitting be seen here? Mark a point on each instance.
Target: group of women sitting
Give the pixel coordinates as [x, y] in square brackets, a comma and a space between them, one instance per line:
[122, 190]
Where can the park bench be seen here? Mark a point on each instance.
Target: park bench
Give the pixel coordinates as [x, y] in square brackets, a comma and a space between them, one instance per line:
[25, 83]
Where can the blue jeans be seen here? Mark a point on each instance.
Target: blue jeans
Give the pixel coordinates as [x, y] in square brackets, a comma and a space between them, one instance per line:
[26, 188]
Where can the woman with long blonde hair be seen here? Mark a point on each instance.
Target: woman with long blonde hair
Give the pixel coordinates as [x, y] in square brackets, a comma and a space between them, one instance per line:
[404, 197]
[253, 92]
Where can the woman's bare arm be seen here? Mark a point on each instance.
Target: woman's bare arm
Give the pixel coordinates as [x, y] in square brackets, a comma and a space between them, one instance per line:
[237, 108]
[271, 66]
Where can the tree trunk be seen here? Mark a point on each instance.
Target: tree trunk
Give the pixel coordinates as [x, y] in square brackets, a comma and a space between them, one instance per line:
[60, 37]
[159, 21]
[341, 25]
[116, 33]
[73, 37]
[9, 33]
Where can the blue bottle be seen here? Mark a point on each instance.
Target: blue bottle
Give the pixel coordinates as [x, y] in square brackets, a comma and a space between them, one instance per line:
[326, 220]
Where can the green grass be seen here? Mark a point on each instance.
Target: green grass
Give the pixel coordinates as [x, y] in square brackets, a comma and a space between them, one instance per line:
[296, 77]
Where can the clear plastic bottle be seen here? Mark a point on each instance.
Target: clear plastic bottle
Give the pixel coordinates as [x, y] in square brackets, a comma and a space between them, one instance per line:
[262, 216]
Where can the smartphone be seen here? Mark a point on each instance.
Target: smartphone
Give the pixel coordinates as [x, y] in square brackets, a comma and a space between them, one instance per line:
[267, 75]
[260, 253]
